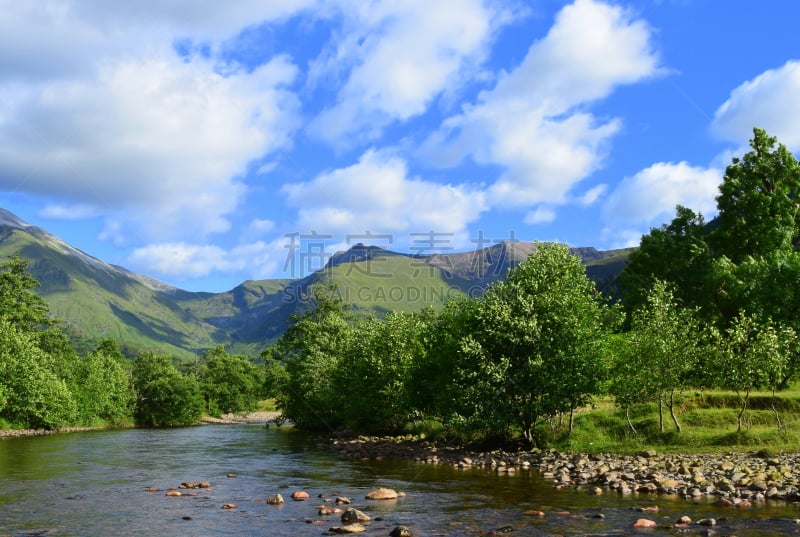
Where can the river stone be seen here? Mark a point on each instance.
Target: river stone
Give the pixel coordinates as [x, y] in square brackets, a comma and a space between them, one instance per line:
[275, 499]
[299, 495]
[645, 523]
[382, 494]
[354, 515]
[401, 531]
[351, 528]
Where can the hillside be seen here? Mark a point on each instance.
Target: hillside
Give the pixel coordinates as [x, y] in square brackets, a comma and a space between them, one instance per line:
[97, 300]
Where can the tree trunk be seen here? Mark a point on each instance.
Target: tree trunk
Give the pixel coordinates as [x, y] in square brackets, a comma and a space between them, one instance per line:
[781, 427]
[661, 414]
[672, 411]
[741, 412]
[628, 419]
[571, 419]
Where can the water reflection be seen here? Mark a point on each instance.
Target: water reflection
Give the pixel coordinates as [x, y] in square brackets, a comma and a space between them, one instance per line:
[94, 483]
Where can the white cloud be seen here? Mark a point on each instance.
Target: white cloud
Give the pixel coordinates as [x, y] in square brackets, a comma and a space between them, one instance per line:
[376, 194]
[592, 195]
[650, 196]
[402, 54]
[531, 123]
[69, 212]
[159, 140]
[542, 215]
[182, 261]
[768, 101]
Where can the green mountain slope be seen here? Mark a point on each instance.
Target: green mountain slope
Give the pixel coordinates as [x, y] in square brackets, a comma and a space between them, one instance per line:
[97, 300]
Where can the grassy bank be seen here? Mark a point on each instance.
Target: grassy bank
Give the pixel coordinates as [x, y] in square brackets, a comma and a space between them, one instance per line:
[708, 420]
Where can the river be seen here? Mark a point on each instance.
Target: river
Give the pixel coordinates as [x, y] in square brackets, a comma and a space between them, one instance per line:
[95, 483]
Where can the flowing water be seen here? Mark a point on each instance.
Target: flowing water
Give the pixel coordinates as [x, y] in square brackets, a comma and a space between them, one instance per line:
[95, 483]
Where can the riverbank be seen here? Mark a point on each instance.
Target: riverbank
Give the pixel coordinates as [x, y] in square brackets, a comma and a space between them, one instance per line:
[252, 417]
[734, 479]
[14, 433]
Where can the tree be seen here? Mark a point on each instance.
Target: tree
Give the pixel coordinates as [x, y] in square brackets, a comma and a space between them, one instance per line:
[104, 388]
[19, 304]
[375, 373]
[230, 383]
[666, 346]
[676, 253]
[34, 396]
[311, 350]
[758, 202]
[164, 397]
[528, 349]
[751, 355]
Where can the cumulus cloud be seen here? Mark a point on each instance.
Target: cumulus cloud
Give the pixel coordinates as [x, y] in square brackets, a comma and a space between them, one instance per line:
[768, 101]
[182, 261]
[542, 215]
[649, 197]
[531, 123]
[376, 194]
[160, 140]
[402, 56]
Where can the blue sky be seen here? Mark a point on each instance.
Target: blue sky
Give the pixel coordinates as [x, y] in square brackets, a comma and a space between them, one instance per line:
[207, 143]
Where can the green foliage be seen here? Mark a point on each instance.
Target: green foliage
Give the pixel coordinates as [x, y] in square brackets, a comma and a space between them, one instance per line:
[311, 350]
[164, 397]
[19, 304]
[758, 202]
[230, 383]
[373, 377]
[751, 355]
[34, 396]
[104, 387]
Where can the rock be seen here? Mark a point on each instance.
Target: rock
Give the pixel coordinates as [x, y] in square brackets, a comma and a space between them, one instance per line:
[231, 476]
[401, 531]
[229, 506]
[275, 499]
[533, 512]
[382, 494]
[174, 493]
[351, 516]
[341, 500]
[645, 523]
[299, 495]
[685, 520]
[351, 528]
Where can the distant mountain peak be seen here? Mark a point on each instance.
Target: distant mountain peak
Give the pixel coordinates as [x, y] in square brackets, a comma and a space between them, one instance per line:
[8, 218]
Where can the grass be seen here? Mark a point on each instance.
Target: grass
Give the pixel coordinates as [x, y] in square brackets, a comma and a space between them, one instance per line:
[708, 420]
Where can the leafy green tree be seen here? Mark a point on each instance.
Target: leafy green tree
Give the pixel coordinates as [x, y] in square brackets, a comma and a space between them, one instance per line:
[374, 376]
[311, 349]
[758, 209]
[630, 382]
[230, 383]
[19, 304]
[676, 253]
[104, 388]
[752, 354]
[164, 397]
[34, 396]
[667, 345]
[528, 349]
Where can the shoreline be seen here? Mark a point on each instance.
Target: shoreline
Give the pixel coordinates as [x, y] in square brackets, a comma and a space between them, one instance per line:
[735, 479]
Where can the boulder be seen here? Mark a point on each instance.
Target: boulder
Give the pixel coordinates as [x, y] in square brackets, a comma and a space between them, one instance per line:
[382, 494]
[351, 516]
[351, 528]
[299, 495]
[401, 531]
[275, 499]
[645, 523]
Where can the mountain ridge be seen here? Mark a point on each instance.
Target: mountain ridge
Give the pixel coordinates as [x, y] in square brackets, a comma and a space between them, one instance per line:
[97, 300]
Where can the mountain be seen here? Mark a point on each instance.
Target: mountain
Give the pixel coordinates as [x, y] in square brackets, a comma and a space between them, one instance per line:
[97, 300]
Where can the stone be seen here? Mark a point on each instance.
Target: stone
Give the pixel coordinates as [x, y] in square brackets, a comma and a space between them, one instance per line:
[174, 493]
[645, 523]
[351, 516]
[351, 528]
[229, 506]
[401, 531]
[275, 499]
[382, 494]
[533, 512]
[299, 495]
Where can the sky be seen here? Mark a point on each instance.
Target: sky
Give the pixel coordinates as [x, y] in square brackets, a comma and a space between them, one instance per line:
[207, 143]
